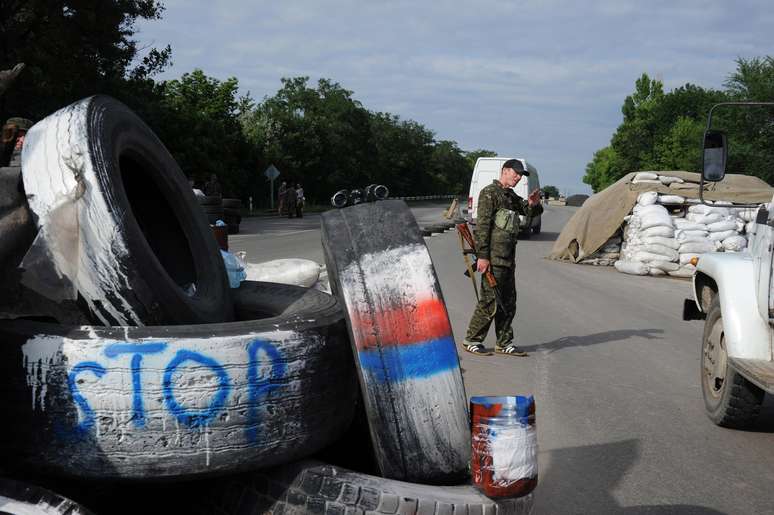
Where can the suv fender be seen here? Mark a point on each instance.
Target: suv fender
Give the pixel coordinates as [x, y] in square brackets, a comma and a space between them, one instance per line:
[747, 335]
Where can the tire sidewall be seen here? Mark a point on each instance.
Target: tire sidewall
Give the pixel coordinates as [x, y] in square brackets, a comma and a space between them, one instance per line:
[115, 131]
[713, 405]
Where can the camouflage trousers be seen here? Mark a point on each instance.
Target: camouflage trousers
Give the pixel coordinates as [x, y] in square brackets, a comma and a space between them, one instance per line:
[487, 309]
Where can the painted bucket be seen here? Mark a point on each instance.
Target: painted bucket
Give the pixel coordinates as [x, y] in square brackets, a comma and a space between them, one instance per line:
[504, 437]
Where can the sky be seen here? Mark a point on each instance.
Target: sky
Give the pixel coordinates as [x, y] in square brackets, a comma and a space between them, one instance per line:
[541, 80]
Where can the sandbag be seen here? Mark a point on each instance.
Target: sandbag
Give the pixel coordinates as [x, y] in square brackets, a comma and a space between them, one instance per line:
[656, 221]
[667, 180]
[735, 243]
[671, 199]
[666, 232]
[647, 198]
[666, 266]
[645, 176]
[687, 225]
[685, 235]
[706, 210]
[660, 240]
[722, 235]
[631, 267]
[723, 225]
[655, 248]
[704, 219]
[646, 257]
[697, 247]
[747, 214]
[656, 271]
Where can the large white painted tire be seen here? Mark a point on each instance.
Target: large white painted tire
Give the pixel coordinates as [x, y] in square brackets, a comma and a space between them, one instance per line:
[25, 499]
[381, 272]
[179, 401]
[117, 218]
[314, 487]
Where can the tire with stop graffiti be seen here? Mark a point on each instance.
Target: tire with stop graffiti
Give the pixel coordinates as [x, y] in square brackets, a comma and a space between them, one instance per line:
[380, 270]
[24, 498]
[118, 220]
[179, 401]
[315, 487]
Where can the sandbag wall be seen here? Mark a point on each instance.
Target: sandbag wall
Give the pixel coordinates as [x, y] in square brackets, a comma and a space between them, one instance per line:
[664, 232]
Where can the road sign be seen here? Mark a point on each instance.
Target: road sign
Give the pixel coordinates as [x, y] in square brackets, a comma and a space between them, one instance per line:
[271, 172]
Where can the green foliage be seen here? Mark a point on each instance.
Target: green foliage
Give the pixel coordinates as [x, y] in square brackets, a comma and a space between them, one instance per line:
[660, 131]
[318, 135]
[603, 170]
[72, 49]
[324, 138]
[680, 148]
[550, 191]
[663, 131]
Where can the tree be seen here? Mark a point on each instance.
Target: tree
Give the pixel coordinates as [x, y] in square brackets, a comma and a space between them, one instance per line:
[319, 136]
[750, 130]
[603, 170]
[72, 49]
[659, 131]
[550, 191]
[198, 119]
[680, 148]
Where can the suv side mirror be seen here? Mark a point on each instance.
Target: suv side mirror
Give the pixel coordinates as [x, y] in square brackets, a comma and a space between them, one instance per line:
[714, 156]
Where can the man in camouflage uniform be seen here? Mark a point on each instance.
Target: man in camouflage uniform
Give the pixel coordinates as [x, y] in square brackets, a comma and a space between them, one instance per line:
[497, 228]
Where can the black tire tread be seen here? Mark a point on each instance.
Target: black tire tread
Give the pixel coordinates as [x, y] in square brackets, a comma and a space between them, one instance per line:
[740, 403]
[315, 487]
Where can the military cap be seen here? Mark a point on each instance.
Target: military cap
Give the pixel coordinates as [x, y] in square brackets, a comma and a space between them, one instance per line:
[516, 165]
[21, 123]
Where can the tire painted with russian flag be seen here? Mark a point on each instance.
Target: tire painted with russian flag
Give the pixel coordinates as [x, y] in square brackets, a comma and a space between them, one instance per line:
[409, 372]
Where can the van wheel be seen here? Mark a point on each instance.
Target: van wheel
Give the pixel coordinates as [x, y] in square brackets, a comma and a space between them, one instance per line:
[730, 399]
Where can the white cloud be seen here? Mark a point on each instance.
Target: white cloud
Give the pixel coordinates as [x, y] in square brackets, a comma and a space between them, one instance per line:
[545, 79]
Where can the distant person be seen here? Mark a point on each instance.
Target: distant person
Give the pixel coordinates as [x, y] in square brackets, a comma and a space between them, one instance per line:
[497, 229]
[300, 200]
[281, 195]
[290, 200]
[212, 187]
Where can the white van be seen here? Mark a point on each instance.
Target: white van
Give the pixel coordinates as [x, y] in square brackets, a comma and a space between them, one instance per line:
[488, 169]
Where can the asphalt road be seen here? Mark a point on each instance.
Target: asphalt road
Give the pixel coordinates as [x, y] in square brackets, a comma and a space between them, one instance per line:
[615, 374]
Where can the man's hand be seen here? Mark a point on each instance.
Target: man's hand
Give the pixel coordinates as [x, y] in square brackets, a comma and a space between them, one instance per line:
[534, 198]
[482, 265]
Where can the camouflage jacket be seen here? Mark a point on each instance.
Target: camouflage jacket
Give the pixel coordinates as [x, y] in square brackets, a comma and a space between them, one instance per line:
[496, 234]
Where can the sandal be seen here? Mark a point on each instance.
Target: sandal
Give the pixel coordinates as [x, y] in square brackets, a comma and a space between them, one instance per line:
[510, 350]
[476, 348]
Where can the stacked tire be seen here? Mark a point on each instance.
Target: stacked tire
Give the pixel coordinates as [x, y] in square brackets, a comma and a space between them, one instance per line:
[212, 205]
[177, 376]
[181, 378]
[232, 213]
